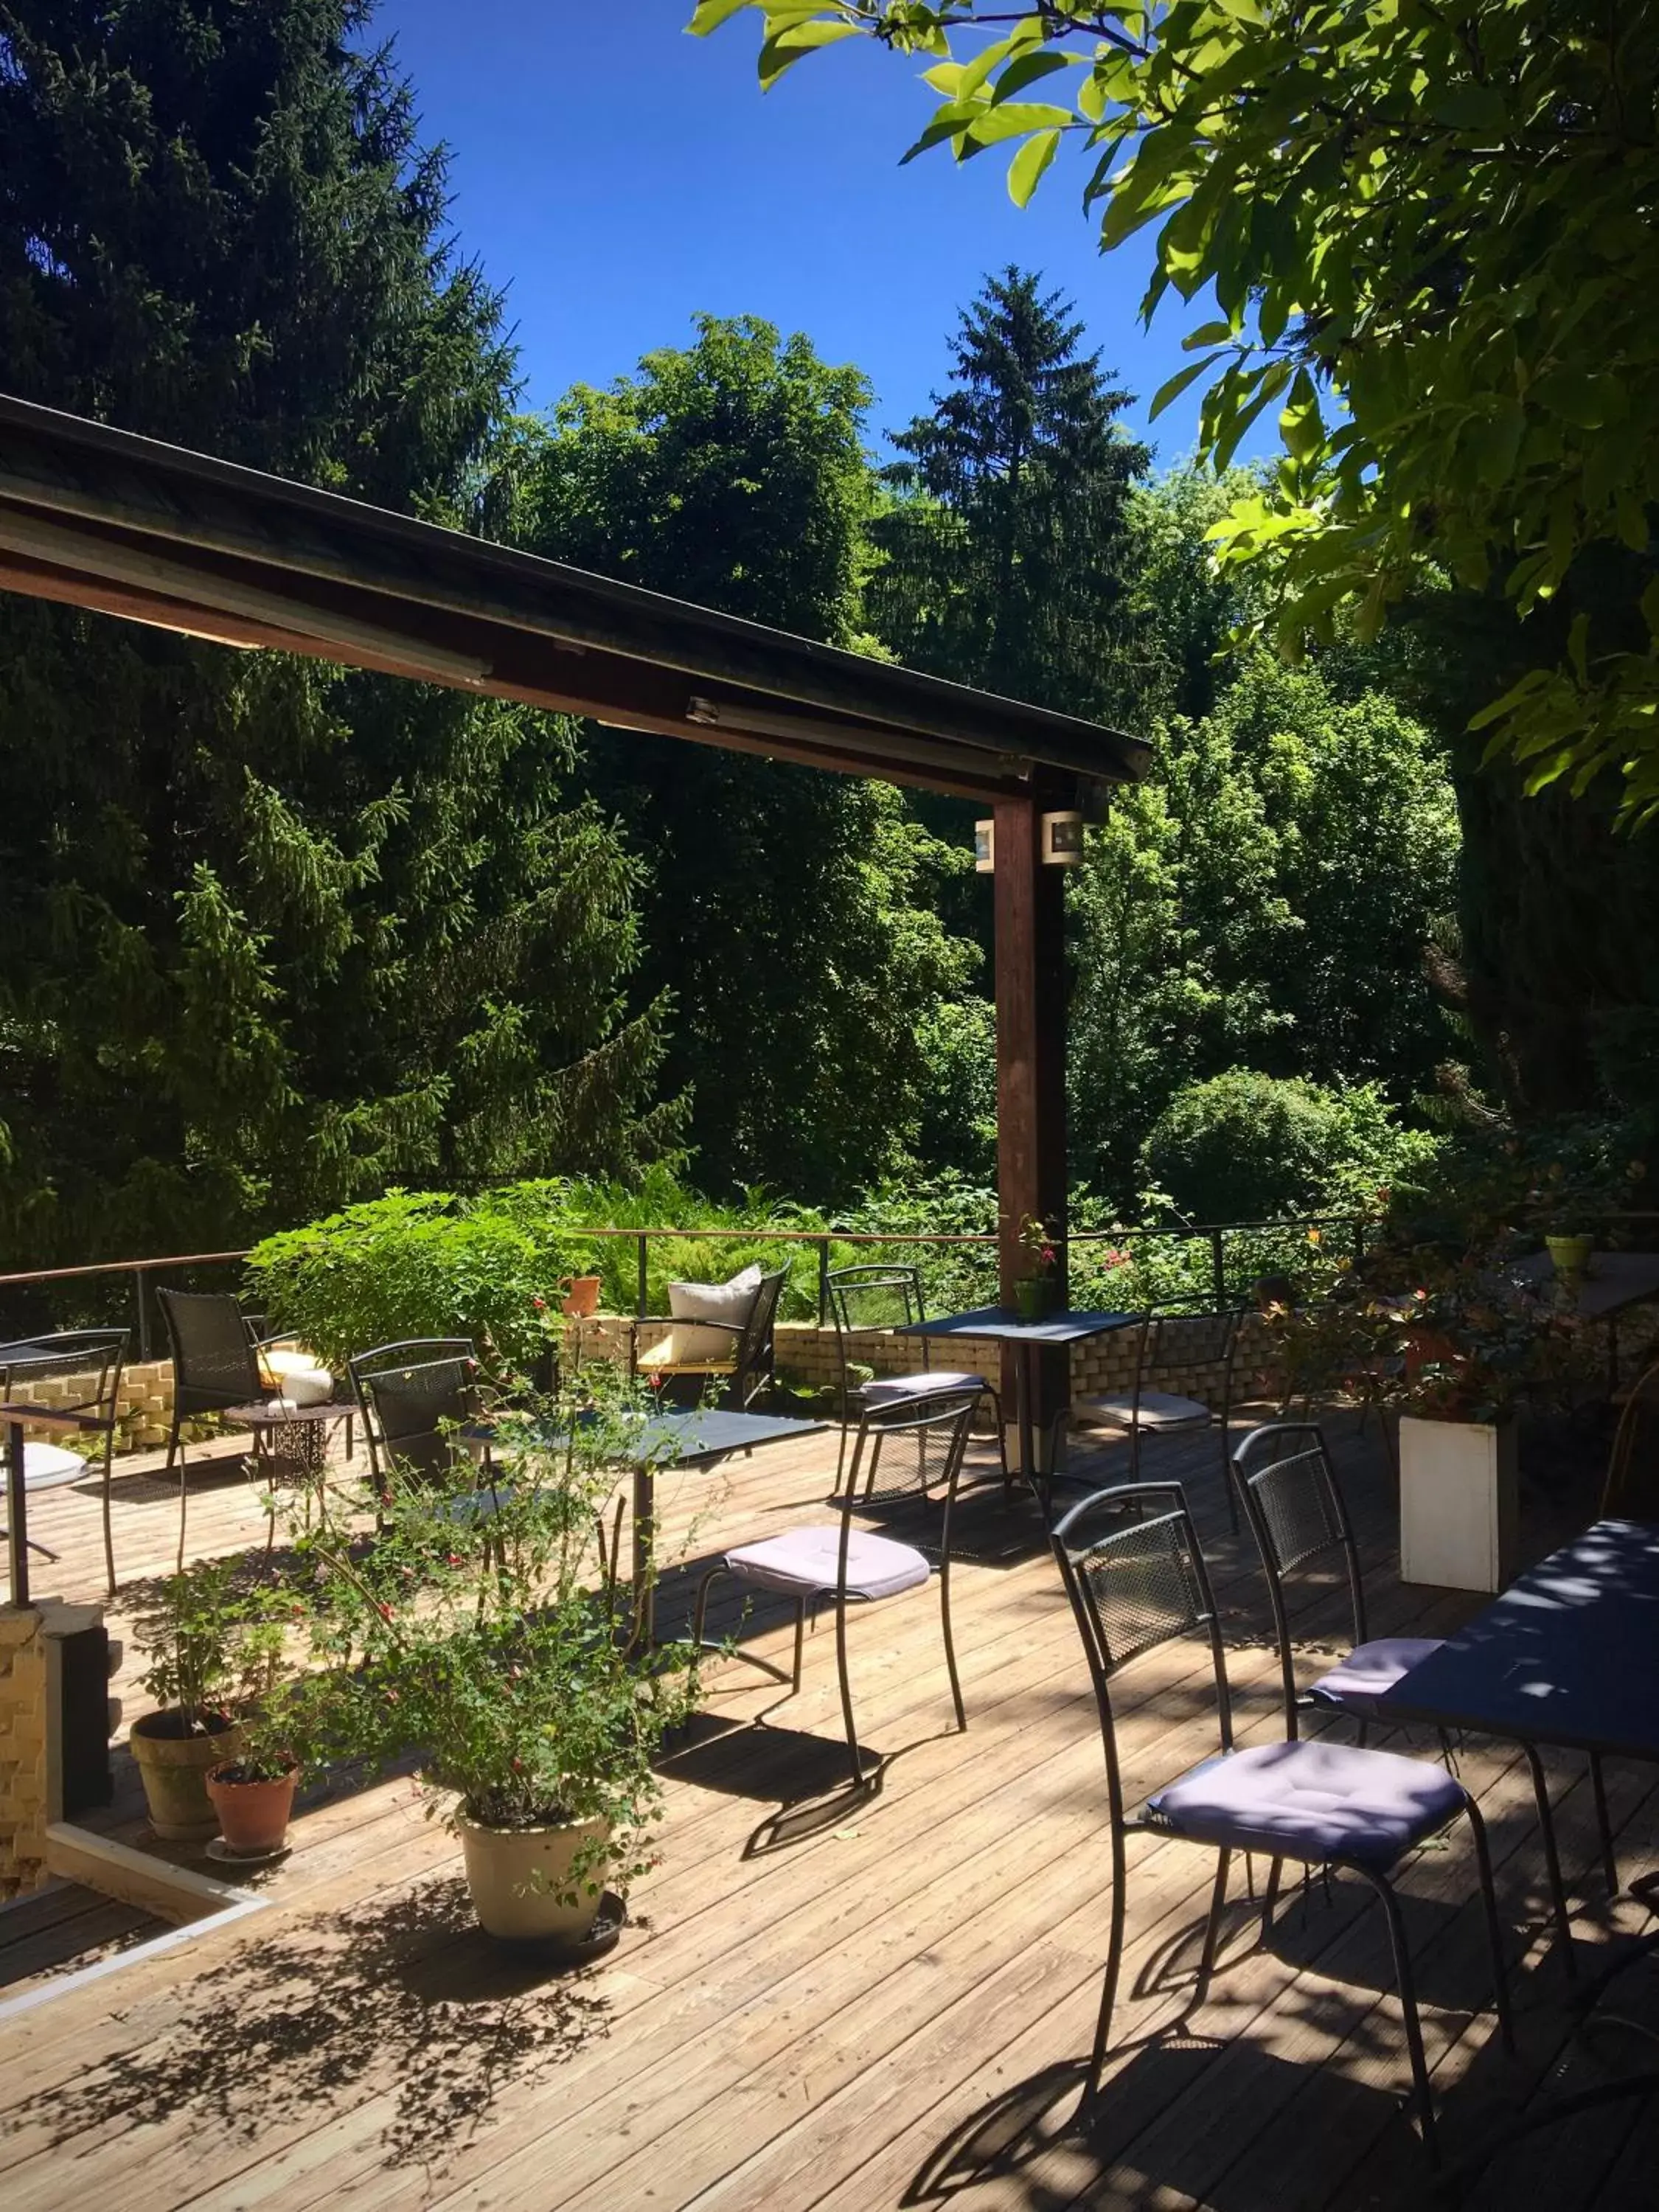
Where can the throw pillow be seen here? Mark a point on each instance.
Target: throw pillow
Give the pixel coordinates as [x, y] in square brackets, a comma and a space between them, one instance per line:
[731, 1301]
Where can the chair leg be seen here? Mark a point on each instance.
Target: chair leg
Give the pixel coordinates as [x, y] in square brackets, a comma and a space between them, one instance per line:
[109, 1531]
[995, 1397]
[847, 1691]
[173, 1442]
[1227, 1478]
[1500, 1980]
[950, 1643]
[1212, 1928]
[1270, 1896]
[800, 1643]
[702, 1609]
[1603, 1823]
[184, 1501]
[1114, 1968]
[1407, 1989]
[1551, 1860]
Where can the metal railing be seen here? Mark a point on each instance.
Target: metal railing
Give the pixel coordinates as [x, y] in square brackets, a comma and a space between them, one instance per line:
[1213, 1234]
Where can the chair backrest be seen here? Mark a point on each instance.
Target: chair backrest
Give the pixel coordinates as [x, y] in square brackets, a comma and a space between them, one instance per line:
[413, 1396]
[98, 1355]
[1135, 1582]
[752, 1372]
[1193, 1349]
[1271, 1290]
[1286, 1483]
[214, 1361]
[866, 1298]
[1632, 1490]
[911, 1447]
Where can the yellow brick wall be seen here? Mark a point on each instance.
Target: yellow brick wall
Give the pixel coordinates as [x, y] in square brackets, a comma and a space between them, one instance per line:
[25, 1781]
[144, 1405]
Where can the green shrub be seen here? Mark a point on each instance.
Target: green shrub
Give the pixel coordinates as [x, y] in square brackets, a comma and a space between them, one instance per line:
[1246, 1146]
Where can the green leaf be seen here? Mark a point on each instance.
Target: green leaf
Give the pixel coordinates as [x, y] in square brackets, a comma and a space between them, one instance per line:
[789, 47]
[711, 13]
[1177, 384]
[1026, 69]
[1019, 116]
[1469, 106]
[1299, 423]
[1206, 334]
[1025, 170]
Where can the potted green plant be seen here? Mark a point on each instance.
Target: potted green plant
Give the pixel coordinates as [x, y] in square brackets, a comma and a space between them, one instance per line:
[1033, 1292]
[191, 1635]
[476, 1635]
[251, 1793]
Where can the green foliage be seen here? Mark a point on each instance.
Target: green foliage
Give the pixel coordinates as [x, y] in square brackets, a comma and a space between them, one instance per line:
[1245, 1145]
[1003, 546]
[476, 1641]
[790, 913]
[278, 934]
[1264, 899]
[1479, 391]
[214, 1646]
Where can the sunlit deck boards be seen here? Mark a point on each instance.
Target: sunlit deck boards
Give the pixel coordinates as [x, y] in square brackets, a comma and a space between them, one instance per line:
[846, 2007]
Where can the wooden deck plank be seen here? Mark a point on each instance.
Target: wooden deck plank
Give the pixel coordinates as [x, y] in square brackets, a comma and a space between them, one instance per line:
[824, 2021]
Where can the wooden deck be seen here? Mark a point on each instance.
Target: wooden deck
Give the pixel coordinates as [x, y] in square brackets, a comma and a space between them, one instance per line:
[847, 2004]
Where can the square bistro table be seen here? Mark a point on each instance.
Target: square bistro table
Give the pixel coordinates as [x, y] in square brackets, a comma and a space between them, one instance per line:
[1025, 1338]
[689, 1436]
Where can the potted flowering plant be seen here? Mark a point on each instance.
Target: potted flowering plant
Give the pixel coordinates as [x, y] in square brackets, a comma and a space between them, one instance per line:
[1034, 1291]
[474, 1635]
[207, 1647]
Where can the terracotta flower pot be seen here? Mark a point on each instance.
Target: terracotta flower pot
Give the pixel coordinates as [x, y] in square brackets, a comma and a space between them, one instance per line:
[581, 1297]
[521, 1882]
[253, 1815]
[175, 1766]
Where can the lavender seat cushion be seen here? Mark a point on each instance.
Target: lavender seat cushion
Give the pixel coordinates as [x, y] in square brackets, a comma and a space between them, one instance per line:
[1311, 1801]
[1371, 1670]
[934, 1384]
[805, 1561]
[1158, 1409]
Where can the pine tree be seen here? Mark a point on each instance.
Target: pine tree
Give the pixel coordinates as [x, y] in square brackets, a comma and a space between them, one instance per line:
[1006, 546]
[276, 934]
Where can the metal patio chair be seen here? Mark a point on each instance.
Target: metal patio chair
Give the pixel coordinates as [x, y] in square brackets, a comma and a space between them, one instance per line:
[1196, 1350]
[1630, 1492]
[746, 1375]
[415, 1397]
[217, 1368]
[95, 1359]
[1287, 1485]
[923, 1442]
[1137, 1583]
[868, 1301]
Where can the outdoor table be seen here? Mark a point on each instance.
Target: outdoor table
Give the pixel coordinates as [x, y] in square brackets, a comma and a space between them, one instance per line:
[19, 1481]
[679, 1436]
[1613, 1282]
[1025, 1338]
[1568, 1655]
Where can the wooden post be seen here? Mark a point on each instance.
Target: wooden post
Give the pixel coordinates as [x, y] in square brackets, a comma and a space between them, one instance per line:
[1030, 1001]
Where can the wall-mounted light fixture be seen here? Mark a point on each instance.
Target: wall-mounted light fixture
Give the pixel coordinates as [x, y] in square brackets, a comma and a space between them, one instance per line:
[985, 847]
[1062, 840]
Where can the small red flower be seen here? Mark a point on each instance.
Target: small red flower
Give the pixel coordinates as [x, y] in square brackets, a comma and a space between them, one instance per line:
[540, 1304]
[384, 1612]
[455, 1559]
[392, 1697]
[1048, 1255]
[518, 1766]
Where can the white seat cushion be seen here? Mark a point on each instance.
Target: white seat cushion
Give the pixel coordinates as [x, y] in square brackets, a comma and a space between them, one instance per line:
[1158, 1409]
[731, 1303]
[937, 1383]
[47, 1467]
[679, 1348]
[298, 1377]
[1370, 1671]
[805, 1561]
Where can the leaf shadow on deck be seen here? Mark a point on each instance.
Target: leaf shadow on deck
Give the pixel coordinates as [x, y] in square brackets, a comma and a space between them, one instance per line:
[405, 1997]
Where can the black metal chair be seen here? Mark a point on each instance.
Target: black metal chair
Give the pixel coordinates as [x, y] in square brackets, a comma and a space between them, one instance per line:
[1287, 1485]
[1195, 1349]
[415, 1397]
[1630, 1492]
[94, 1358]
[1137, 1583]
[924, 1441]
[868, 1301]
[746, 1376]
[217, 1369]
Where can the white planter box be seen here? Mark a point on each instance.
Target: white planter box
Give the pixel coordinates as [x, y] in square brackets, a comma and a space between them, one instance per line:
[1458, 1502]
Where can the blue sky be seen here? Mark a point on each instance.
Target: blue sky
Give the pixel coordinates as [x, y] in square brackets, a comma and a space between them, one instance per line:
[617, 176]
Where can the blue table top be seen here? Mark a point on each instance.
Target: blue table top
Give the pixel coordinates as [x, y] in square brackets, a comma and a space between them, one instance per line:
[684, 1436]
[1003, 1323]
[1569, 1655]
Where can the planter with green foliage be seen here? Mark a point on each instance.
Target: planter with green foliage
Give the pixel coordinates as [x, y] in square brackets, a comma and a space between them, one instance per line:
[470, 1636]
[213, 1649]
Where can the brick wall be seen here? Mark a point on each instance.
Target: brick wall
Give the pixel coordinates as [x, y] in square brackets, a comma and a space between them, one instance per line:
[144, 1405]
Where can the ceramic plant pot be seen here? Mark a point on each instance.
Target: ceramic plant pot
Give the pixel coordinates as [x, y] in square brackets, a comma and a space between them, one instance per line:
[253, 1815]
[581, 1297]
[175, 1767]
[1569, 1256]
[521, 1882]
[1032, 1294]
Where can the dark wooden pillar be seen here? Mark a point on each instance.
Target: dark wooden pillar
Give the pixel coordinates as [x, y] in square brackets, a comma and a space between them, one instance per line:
[1030, 1001]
